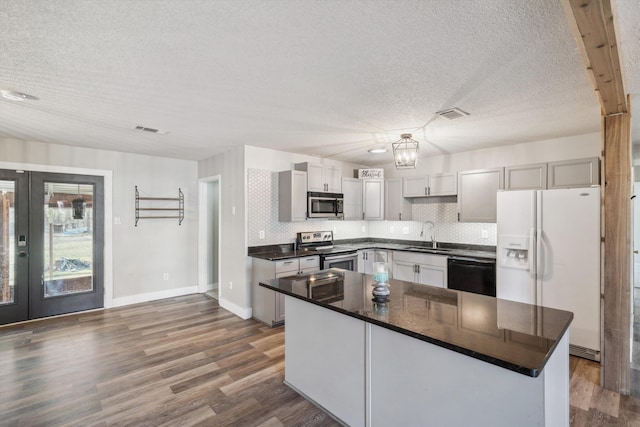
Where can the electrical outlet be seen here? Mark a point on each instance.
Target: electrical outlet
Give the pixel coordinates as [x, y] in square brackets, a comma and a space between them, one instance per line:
[261, 234]
[334, 231]
[405, 230]
[165, 276]
[364, 228]
[391, 229]
[230, 285]
[116, 220]
[233, 210]
[485, 234]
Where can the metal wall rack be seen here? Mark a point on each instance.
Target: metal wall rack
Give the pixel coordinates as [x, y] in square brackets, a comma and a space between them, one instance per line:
[179, 210]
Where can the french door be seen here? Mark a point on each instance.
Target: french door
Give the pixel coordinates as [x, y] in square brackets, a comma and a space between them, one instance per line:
[51, 244]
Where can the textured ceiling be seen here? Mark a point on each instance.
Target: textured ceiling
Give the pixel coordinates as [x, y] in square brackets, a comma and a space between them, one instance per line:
[628, 33]
[327, 78]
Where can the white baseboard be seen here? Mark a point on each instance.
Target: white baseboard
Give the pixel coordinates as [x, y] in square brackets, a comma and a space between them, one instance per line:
[152, 296]
[242, 312]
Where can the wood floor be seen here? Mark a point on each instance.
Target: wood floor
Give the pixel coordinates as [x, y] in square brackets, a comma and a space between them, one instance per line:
[185, 361]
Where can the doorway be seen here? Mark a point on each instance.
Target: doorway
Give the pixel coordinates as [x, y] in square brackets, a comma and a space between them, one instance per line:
[51, 244]
[209, 230]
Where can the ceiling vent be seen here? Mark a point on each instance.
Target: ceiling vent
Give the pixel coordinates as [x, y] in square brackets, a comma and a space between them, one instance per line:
[151, 130]
[452, 113]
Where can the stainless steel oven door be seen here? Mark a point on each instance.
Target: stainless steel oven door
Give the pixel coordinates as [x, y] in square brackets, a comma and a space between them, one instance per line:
[344, 261]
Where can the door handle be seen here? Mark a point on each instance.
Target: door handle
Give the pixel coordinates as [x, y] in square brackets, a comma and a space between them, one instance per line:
[635, 252]
[22, 254]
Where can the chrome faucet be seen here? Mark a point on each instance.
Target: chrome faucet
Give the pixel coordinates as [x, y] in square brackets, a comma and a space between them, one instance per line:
[434, 243]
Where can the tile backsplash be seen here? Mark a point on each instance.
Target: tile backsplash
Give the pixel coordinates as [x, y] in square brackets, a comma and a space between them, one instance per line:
[262, 215]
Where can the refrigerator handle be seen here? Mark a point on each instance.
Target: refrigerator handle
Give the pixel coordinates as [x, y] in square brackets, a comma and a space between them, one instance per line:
[532, 249]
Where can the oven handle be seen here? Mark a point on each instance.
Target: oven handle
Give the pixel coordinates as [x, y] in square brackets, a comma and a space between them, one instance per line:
[339, 256]
[460, 258]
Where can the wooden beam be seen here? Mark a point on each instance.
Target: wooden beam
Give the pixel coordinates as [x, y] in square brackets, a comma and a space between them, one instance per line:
[616, 369]
[592, 24]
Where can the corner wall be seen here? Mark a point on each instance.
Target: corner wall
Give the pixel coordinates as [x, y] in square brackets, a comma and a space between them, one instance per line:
[141, 255]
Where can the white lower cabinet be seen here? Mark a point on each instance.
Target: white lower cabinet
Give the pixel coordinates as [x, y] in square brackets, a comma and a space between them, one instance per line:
[367, 257]
[268, 305]
[426, 269]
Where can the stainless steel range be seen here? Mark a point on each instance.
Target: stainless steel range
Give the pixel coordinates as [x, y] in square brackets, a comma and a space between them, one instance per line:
[331, 256]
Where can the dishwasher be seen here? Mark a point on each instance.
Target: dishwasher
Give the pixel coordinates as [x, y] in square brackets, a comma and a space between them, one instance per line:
[472, 275]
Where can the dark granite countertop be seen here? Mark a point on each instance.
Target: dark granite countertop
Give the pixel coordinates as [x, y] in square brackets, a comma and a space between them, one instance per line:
[285, 251]
[515, 336]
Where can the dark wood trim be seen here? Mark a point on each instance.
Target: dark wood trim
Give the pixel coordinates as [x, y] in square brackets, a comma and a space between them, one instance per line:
[592, 23]
[617, 253]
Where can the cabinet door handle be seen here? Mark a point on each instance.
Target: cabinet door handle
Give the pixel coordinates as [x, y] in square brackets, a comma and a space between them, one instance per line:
[426, 191]
[400, 216]
[288, 262]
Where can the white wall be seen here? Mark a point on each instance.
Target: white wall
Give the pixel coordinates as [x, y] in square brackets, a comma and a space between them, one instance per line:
[142, 254]
[234, 267]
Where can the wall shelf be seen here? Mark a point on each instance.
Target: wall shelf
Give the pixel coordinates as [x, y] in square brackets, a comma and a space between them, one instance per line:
[167, 212]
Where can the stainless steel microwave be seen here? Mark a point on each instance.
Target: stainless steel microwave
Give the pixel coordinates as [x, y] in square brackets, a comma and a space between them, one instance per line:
[325, 205]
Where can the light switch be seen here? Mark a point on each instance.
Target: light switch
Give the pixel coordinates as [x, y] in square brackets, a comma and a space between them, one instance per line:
[261, 234]
[485, 234]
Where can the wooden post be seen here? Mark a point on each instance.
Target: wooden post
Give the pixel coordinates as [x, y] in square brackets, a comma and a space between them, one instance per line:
[616, 373]
[593, 25]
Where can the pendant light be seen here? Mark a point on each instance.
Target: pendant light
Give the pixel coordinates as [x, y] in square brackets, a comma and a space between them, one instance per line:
[405, 152]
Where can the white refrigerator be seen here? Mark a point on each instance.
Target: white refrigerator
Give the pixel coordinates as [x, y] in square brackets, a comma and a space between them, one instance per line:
[548, 254]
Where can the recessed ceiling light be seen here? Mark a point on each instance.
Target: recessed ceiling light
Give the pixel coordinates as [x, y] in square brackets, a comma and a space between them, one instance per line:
[378, 150]
[12, 95]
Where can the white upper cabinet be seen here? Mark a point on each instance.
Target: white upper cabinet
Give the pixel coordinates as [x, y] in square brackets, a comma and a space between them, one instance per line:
[352, 191]
[396, 207]
[373, 199]
[441, 184]
[477, 194]
[526, 177]
[322, 178]
[292, 196]
[415, 186]
[574, 173]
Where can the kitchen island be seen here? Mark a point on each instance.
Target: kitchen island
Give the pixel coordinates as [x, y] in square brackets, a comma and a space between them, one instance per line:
[425, 356]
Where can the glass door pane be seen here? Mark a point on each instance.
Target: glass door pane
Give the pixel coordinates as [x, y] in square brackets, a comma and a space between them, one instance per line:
[7, 239]
[67, 229]
[68, 239]
[14, 246]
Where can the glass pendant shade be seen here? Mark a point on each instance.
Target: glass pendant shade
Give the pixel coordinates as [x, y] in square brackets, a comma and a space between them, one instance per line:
[405, 152]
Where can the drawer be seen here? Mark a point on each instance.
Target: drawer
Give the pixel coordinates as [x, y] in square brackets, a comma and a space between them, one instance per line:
[287, 265]
[309, 262]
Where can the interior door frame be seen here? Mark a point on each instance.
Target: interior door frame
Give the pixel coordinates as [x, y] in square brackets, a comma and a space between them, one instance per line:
[204, 232]
[108, 212]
